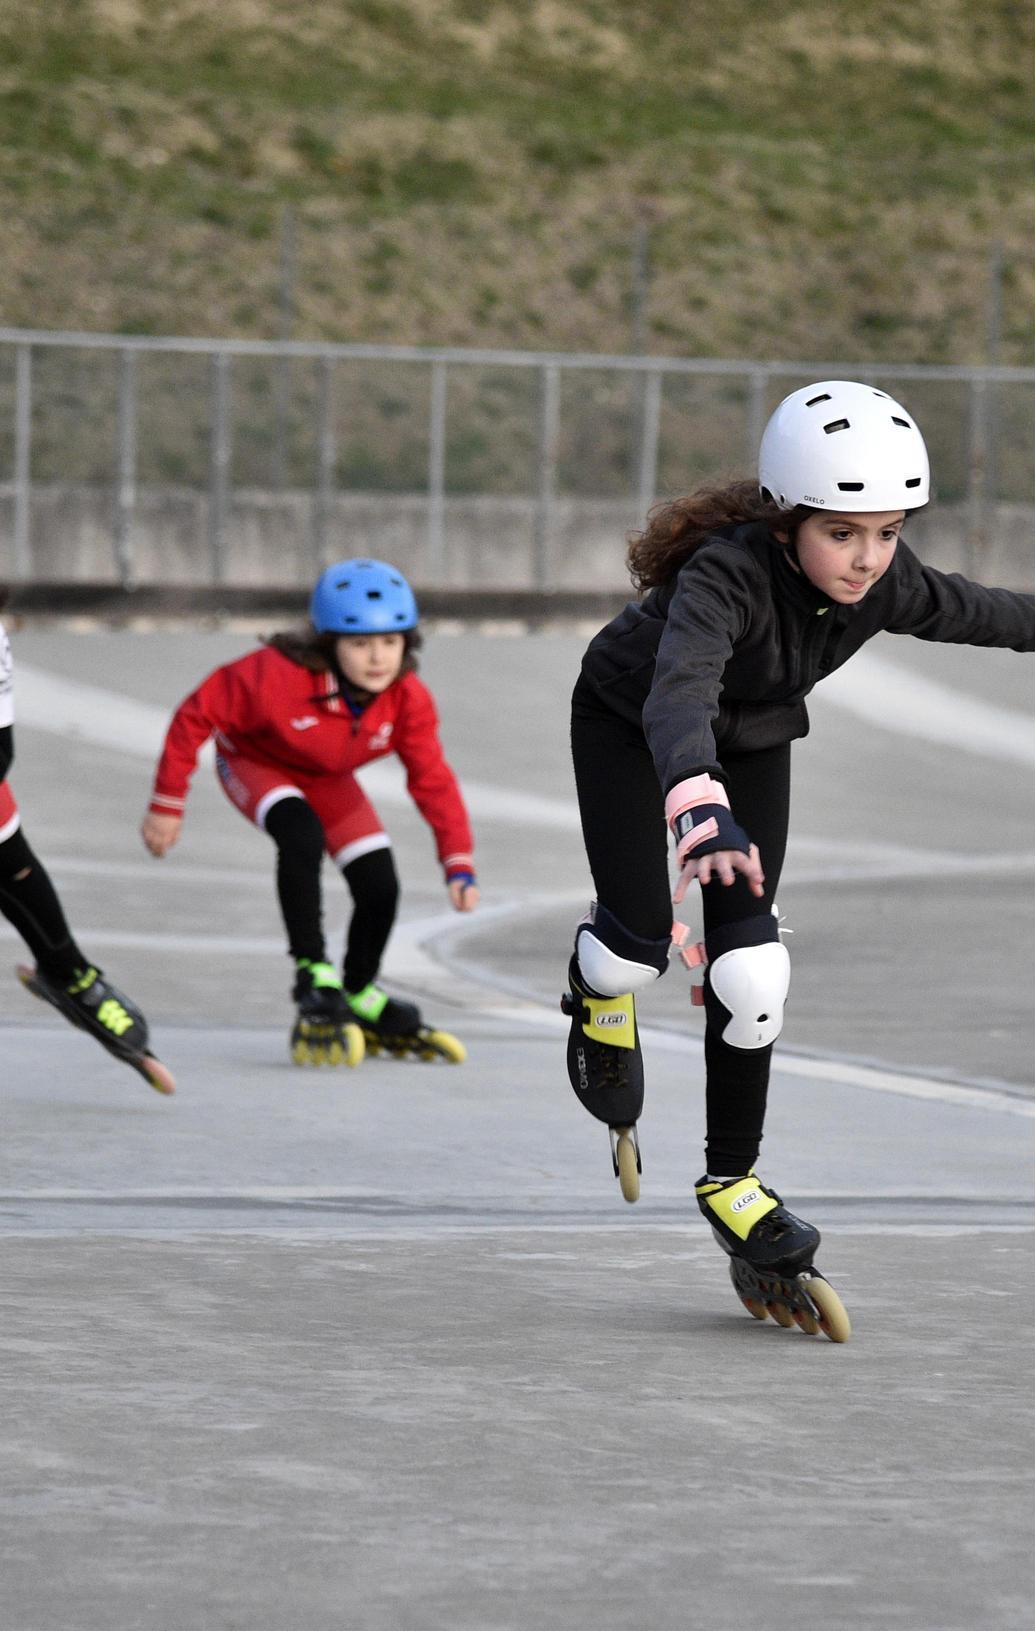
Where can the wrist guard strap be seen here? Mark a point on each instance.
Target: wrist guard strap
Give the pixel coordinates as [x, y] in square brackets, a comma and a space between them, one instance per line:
[698, 814]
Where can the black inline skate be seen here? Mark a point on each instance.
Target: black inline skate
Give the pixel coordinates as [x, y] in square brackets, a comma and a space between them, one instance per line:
[324, 1032]
[95, 1006]
[396, 1028]
[605, 1067]
[771, 1256]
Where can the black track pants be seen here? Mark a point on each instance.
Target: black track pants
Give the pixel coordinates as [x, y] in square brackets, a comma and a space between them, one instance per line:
[30, 902]
[623, 824]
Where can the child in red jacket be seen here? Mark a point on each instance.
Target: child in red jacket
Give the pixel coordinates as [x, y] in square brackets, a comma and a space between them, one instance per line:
[292, 722]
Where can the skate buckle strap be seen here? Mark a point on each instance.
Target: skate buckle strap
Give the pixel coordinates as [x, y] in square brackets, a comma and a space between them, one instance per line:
[83, 982]
[109, 1011]
[610, 1020]
[738, 1204]
[324, 976]
[368, 1004]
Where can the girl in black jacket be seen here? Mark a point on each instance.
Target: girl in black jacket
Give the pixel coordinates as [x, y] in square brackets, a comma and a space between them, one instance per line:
[687, 704]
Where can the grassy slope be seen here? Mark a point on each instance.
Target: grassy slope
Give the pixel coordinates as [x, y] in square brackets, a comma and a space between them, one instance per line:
[825, 183]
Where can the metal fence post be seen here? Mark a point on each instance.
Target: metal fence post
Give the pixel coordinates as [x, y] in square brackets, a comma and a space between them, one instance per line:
[977, 476]
[756, 416]
[437, 475]
[22, 461]
[326, 455]
[549, 432]
[219, 464]
[647, 485]
[126, 477]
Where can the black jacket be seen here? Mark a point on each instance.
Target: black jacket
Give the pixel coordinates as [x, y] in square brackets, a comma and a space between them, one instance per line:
[721, 658]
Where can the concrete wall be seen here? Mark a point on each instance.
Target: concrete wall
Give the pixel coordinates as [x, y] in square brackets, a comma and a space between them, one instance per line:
[270, 539]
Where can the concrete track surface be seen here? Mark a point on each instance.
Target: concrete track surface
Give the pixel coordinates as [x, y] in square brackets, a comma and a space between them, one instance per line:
[384, 1349]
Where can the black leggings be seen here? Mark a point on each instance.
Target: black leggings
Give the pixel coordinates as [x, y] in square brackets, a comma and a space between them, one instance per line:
[30, 902]
[296, 830]
[623, 824]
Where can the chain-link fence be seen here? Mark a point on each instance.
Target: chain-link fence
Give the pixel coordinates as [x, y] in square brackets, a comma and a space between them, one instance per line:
[132, 460]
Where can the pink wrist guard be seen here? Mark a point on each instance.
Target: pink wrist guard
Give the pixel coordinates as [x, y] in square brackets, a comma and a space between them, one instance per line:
[696, 793]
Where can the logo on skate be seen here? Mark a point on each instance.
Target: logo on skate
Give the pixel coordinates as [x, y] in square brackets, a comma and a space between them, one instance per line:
[745, 1200]
[610, 1019]
[114, 1016]
[580, 1060]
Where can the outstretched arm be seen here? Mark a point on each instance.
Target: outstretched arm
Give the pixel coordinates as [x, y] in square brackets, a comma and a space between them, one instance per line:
[219, 701]
[436, 793]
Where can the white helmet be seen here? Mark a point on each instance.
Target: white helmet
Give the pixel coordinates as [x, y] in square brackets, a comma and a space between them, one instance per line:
[839, 445]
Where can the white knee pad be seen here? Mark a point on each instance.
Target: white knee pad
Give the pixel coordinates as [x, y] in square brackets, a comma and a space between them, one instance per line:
[613, 961]
[752, 982]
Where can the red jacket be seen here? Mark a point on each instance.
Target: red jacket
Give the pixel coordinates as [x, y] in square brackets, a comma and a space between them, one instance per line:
[271, 709]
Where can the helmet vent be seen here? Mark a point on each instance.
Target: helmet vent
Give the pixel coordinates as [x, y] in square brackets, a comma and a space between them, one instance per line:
[850, 486]
[836, 424]
[914, 481]
[374, 594]
[895, 420]
[811, 403]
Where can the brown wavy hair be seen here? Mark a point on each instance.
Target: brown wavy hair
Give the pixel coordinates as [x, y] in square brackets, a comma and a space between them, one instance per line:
[674, 529]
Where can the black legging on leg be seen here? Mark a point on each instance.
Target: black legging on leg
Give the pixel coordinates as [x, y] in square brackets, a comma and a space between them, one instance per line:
[374, 885]
[623, 824]
[295, 828]
[737, 1079]
[30, 902]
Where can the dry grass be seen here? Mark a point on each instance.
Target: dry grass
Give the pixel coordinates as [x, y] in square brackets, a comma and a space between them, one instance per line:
[827, 183]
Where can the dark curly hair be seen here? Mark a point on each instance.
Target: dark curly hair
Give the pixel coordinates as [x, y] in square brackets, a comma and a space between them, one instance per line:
[317, 652]
[675, 528]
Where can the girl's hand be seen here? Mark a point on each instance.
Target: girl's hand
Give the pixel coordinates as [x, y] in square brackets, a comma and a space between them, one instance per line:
[463, 897]
[723, 864]
[160, 832]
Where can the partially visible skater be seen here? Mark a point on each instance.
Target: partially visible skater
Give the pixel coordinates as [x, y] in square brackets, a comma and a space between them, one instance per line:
[63, 975]
[292, 722]
[683, 714]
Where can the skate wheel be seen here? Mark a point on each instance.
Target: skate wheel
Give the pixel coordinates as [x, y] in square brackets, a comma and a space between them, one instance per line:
[757, 1310]
[833, 1316]
[444, 1046]
[355, 1046]
[807, 1322]
[627, 1159]
[306, 1053]
[782, 1315]
[157, 1074]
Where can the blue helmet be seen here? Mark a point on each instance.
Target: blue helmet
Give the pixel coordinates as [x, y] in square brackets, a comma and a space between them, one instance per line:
[362, 597]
